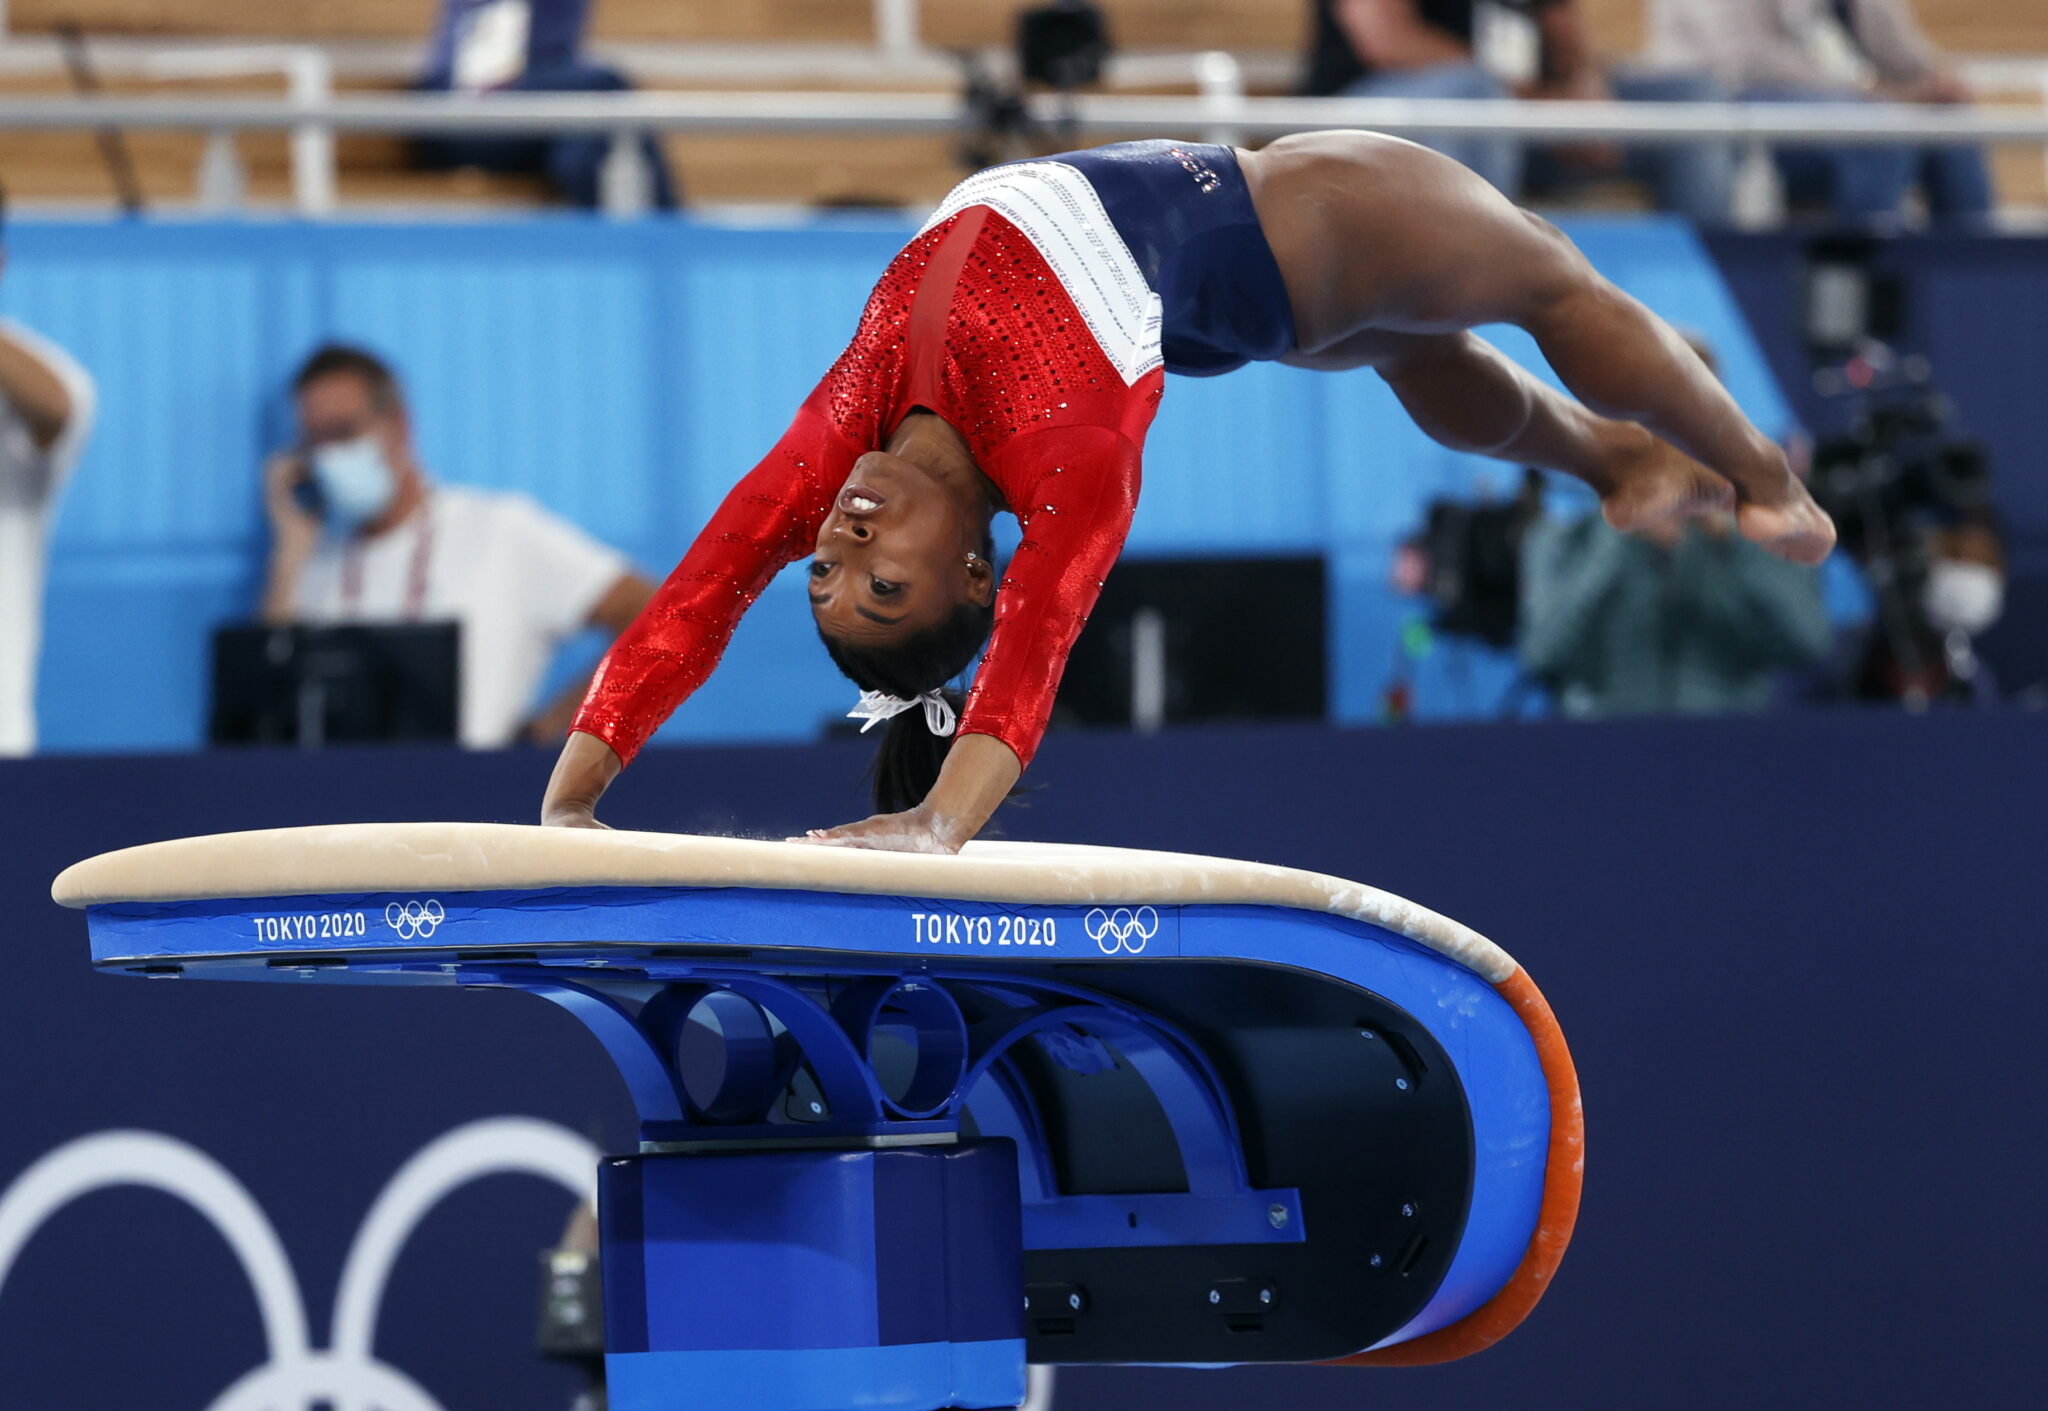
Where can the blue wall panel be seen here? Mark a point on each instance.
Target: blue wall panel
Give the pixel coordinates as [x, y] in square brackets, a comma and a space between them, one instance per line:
[625, 375]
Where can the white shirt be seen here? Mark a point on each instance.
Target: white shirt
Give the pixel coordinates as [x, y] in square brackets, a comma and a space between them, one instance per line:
[30, 481]
[518, 579]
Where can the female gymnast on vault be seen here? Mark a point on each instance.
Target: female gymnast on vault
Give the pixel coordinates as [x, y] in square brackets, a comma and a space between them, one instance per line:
[1011, 359]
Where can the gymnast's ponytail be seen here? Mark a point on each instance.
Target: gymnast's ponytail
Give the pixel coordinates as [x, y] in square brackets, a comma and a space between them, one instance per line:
[908, 763]
[912, 671]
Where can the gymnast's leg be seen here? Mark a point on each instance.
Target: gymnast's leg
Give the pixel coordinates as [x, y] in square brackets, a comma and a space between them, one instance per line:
[1653, 429]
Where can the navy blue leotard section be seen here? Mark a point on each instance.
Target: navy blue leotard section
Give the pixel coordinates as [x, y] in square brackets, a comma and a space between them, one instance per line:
[1185, 212]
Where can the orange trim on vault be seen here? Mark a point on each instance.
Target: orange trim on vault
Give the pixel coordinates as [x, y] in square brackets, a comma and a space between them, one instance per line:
[1563, 1175]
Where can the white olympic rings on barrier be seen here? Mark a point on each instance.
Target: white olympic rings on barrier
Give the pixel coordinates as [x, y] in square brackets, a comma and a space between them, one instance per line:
[415, 920]
[1122, 929]
[299, 1376]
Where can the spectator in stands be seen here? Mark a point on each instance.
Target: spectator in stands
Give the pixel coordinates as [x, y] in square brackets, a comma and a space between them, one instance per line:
[1683, 619]
[1821, 51]
[46, 412]
[360, 534]
[1414, 49]
[1694, 179]
[1510, 48]
[529, 46]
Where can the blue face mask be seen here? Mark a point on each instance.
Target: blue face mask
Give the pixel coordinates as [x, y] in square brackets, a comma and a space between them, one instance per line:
[356, 483]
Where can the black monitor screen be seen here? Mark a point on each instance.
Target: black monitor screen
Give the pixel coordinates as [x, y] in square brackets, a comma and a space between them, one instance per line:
[313, 686]
[1176, 641]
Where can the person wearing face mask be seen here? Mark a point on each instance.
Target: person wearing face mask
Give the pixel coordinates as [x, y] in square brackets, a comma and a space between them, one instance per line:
[359, 534]
[1934, 659]
[1965, 589]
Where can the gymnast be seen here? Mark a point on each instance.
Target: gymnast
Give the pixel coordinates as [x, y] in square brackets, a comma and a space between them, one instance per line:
[1011, 358]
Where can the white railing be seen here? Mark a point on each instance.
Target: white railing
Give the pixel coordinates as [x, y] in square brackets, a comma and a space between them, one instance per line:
[1098, 114]
[308, 74]
[1220, 110]
[2010, 76]
[1220, 113]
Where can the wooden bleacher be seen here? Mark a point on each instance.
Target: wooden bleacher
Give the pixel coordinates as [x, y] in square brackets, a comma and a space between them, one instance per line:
[740, 168]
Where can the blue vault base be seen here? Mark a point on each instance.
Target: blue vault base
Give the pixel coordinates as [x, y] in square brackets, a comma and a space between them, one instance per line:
[807, 1280]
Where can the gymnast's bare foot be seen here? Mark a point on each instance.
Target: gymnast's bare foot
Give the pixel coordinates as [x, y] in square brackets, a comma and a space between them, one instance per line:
[918, 830]
[1656, 485]
[1796, 529]
[1773, 507]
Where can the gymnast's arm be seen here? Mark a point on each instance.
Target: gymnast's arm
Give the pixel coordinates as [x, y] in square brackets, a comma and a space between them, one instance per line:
[1074, 527]
[768, 520]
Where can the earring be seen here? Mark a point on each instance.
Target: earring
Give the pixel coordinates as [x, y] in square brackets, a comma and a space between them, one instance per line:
[973, 558]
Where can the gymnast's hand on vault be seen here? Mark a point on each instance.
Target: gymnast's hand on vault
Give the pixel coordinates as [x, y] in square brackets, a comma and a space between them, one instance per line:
[918, 830]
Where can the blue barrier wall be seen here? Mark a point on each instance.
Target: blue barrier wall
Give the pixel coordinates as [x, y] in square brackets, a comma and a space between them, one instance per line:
[626, 375]
[1792, 958]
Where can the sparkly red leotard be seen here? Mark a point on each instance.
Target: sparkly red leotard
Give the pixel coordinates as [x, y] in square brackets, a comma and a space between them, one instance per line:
[970, 321]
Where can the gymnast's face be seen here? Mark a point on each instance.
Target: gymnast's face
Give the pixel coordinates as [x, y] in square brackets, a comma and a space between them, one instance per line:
[895, 555]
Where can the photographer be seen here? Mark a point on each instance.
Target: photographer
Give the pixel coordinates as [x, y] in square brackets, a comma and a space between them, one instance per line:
[360, 534]
[1915, 506]
[1922, 651]
[1690, 620]
[1682, 618]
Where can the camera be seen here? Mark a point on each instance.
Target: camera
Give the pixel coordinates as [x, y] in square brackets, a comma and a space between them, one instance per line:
[1897, 469]
[1063, 45]
[1897, 477]
[1470, 561]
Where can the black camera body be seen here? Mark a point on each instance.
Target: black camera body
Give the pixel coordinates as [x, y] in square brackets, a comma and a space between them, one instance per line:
[1063, 45]
[1473, 557]
[1896, 471]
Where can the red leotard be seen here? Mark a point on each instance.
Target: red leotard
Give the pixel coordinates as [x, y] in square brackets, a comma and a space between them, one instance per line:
[971, 322]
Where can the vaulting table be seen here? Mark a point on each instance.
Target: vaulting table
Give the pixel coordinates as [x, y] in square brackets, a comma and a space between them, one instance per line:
[908, 1122]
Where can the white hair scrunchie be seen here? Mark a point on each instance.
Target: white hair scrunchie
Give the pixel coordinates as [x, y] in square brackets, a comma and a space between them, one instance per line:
[874, 707]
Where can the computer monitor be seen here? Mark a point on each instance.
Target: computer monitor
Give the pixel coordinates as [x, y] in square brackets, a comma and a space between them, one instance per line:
[314, 686]
[1183, 641]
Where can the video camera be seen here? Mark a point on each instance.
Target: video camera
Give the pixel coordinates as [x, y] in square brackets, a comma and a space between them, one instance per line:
[1471, 562]
[1064, 46]
[1897, 474]
[1898, 468]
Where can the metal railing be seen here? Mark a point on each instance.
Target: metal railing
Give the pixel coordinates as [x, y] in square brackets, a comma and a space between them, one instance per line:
[1219, 111]
[1096, 114]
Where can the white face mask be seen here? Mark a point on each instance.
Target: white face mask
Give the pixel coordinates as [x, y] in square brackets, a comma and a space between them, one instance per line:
[1962, 597]
[355, 481]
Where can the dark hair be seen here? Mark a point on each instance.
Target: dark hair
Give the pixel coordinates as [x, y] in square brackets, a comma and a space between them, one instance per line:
[331, 358]
[908, 762]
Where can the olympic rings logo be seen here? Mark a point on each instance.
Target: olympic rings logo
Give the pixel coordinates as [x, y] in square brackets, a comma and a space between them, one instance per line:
[347, 1373]
[1122, 929]
[414, 920]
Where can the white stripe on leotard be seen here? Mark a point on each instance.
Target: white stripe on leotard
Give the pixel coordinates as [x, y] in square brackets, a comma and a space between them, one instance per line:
[1058, 211]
